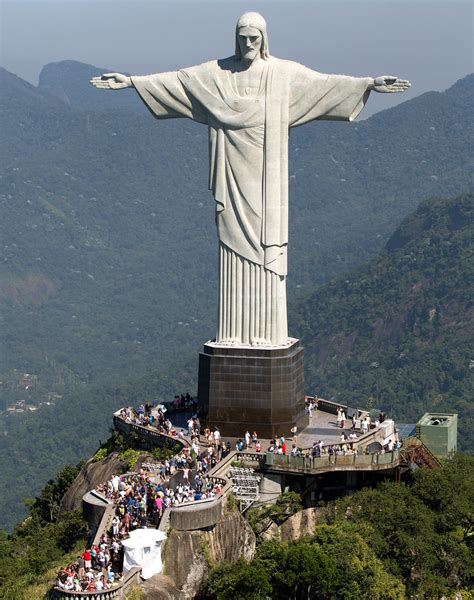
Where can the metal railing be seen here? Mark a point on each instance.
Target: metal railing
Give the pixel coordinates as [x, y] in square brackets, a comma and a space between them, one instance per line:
[336, 462]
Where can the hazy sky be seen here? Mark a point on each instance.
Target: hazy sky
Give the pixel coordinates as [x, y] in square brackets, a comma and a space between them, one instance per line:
[426, 41]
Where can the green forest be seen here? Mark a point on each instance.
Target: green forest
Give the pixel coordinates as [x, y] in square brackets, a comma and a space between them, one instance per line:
[396, 334]
[395, 541]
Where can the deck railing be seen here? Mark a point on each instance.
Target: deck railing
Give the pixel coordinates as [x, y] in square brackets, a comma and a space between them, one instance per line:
[332, 463]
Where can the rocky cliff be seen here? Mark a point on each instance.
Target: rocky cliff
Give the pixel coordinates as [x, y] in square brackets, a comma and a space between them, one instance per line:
[299, 525]
[91, 475]
[188, 555]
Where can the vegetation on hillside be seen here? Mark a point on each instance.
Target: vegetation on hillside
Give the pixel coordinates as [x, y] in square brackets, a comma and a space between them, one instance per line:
[396, 334]
[392, 542]
[39, 544]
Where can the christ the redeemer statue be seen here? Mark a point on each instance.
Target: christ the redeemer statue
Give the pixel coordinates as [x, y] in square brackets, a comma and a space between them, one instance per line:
[249, 101]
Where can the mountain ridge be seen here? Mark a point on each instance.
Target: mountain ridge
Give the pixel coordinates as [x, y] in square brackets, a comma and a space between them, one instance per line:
[397, 332]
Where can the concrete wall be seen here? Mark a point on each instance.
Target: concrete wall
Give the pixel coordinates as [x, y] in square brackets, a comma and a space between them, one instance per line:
[93, 510]
[199, 515]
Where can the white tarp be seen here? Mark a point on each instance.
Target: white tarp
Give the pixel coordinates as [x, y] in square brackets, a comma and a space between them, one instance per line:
[143, 549]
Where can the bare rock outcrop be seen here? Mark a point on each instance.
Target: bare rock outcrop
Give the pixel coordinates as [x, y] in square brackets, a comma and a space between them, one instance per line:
[302, 524]
[91, 475]
[299, 525]
[160, 587]
[188, 554]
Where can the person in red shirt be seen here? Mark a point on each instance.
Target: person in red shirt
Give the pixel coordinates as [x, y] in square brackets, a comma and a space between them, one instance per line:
[283, 448]
[86, 555]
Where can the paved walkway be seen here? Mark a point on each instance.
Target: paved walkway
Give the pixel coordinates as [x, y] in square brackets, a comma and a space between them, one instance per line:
[322, 426]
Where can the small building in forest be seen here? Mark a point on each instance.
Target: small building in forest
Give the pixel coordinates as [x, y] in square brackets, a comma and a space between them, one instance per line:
[439, 433]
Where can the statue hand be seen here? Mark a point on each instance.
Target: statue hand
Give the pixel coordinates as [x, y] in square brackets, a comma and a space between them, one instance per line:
[111, 81]
[387, 84]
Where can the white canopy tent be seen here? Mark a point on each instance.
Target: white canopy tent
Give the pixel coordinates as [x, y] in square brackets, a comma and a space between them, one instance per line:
[143, 549]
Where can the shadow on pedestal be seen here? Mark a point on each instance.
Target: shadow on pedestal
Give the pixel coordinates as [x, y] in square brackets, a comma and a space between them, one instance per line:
[259, 389]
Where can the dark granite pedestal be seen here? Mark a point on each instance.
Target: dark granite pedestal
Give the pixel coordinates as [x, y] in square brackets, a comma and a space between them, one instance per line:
[259, 389]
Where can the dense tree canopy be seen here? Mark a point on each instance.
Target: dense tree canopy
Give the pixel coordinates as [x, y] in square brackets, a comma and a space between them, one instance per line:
[390, 542]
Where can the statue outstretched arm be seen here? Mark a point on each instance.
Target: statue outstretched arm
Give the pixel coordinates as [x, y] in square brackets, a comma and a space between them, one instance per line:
[112, 81]
[162, 93]
[387, 84]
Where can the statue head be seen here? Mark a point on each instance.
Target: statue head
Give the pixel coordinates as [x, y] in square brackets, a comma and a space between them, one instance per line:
[251, 25]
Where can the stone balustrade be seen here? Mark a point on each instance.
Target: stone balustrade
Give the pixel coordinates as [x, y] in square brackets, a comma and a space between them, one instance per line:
[148, 434]
[119, 591]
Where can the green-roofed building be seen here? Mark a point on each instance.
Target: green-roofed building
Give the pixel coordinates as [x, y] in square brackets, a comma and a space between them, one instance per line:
[439, 433]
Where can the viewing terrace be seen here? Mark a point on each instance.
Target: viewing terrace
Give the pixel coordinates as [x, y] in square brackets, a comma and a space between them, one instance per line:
[363, 451]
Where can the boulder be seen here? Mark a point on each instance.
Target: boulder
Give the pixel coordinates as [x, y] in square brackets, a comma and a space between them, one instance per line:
[189, 554]
[91, 475]
[160, 587]
[301, 524]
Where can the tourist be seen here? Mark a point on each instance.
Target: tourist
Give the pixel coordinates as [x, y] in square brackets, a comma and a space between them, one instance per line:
[247, 439]
[343, 418]
[365, 425]
[86, 555]
[294, 431]
[190, 424]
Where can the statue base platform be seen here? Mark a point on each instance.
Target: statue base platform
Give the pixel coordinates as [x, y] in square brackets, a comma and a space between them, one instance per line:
[259, 389]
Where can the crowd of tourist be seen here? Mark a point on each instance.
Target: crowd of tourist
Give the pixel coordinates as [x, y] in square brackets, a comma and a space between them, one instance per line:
[184, 402]
[144, 416]
[140, 498]
[97, 569]
[311, 404]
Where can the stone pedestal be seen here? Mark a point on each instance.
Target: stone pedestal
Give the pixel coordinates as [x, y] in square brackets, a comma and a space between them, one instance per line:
[259, 389]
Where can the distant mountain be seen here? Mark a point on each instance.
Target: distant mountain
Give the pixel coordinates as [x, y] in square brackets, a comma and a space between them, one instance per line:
[68, 80]
[397, 333]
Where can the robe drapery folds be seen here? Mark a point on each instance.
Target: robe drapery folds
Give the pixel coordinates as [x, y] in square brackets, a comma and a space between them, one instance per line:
[248, 175]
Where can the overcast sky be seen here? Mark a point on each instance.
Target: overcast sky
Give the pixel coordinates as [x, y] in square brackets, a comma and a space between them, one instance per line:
[426, 41]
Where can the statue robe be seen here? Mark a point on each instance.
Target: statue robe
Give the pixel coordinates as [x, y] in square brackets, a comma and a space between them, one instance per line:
[248, 174]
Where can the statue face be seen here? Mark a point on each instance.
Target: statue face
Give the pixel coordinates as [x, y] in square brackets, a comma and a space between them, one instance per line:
[250, 43]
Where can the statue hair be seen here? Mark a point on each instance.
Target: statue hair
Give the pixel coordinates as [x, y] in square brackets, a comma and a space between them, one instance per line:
[255, 20]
